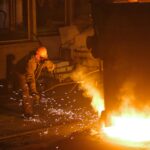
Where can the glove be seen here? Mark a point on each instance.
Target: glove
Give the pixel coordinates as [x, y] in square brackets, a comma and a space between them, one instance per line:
[53, 67]
[49, 65]
[36, 98]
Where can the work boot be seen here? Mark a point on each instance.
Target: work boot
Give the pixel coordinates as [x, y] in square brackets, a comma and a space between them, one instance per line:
[28, 115]
[28, 111]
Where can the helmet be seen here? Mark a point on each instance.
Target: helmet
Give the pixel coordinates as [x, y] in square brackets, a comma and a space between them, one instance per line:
[42, 52]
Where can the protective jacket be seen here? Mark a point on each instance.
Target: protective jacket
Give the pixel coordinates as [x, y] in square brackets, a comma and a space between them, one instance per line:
[31, 68]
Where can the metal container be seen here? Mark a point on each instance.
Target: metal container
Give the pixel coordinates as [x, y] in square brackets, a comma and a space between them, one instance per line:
[122, 40]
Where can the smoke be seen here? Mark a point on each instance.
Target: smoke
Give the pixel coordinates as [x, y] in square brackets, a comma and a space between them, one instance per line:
[90, 83]
[129, 101]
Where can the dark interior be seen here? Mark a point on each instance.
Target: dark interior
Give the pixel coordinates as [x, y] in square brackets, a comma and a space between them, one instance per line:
[123, 34]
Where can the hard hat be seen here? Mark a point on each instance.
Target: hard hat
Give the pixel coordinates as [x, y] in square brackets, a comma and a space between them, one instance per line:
[42, 52]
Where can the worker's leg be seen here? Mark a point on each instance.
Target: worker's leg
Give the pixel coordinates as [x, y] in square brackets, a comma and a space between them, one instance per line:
[27, 100]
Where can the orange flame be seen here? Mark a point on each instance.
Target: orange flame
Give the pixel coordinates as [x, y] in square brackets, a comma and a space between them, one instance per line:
[129, 126]
[89, 85]
[132, 126]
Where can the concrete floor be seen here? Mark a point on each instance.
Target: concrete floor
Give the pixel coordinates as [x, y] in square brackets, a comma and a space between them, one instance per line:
[62, 122]
[60, 114]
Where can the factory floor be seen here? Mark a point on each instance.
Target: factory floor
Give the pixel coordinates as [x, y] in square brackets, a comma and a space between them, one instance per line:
[65, 120]
[62, 111]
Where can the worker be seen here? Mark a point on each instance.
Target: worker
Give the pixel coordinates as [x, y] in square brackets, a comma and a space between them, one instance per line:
[28, 70]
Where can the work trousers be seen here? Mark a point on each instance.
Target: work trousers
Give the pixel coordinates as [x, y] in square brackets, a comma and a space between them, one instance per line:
[27, 99]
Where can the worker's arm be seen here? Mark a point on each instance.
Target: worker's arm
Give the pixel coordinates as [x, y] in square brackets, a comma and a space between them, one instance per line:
[49, 65]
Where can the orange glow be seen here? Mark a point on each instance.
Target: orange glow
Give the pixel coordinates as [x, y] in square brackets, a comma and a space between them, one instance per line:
[135, 127]
[132, 1]
[97, 103]
[89, 84]
[130, 126]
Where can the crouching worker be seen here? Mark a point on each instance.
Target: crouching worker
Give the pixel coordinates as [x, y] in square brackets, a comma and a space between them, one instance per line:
[28, 70]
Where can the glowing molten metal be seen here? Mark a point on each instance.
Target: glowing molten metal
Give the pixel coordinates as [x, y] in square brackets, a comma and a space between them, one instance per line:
[130, 127]
[129, 124]
[127, 129]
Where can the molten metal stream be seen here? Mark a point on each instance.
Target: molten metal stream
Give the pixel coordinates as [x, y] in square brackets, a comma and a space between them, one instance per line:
[135, 129]
[129, 127]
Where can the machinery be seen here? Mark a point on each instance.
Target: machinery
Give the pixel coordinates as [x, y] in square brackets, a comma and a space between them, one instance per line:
[122, 41]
